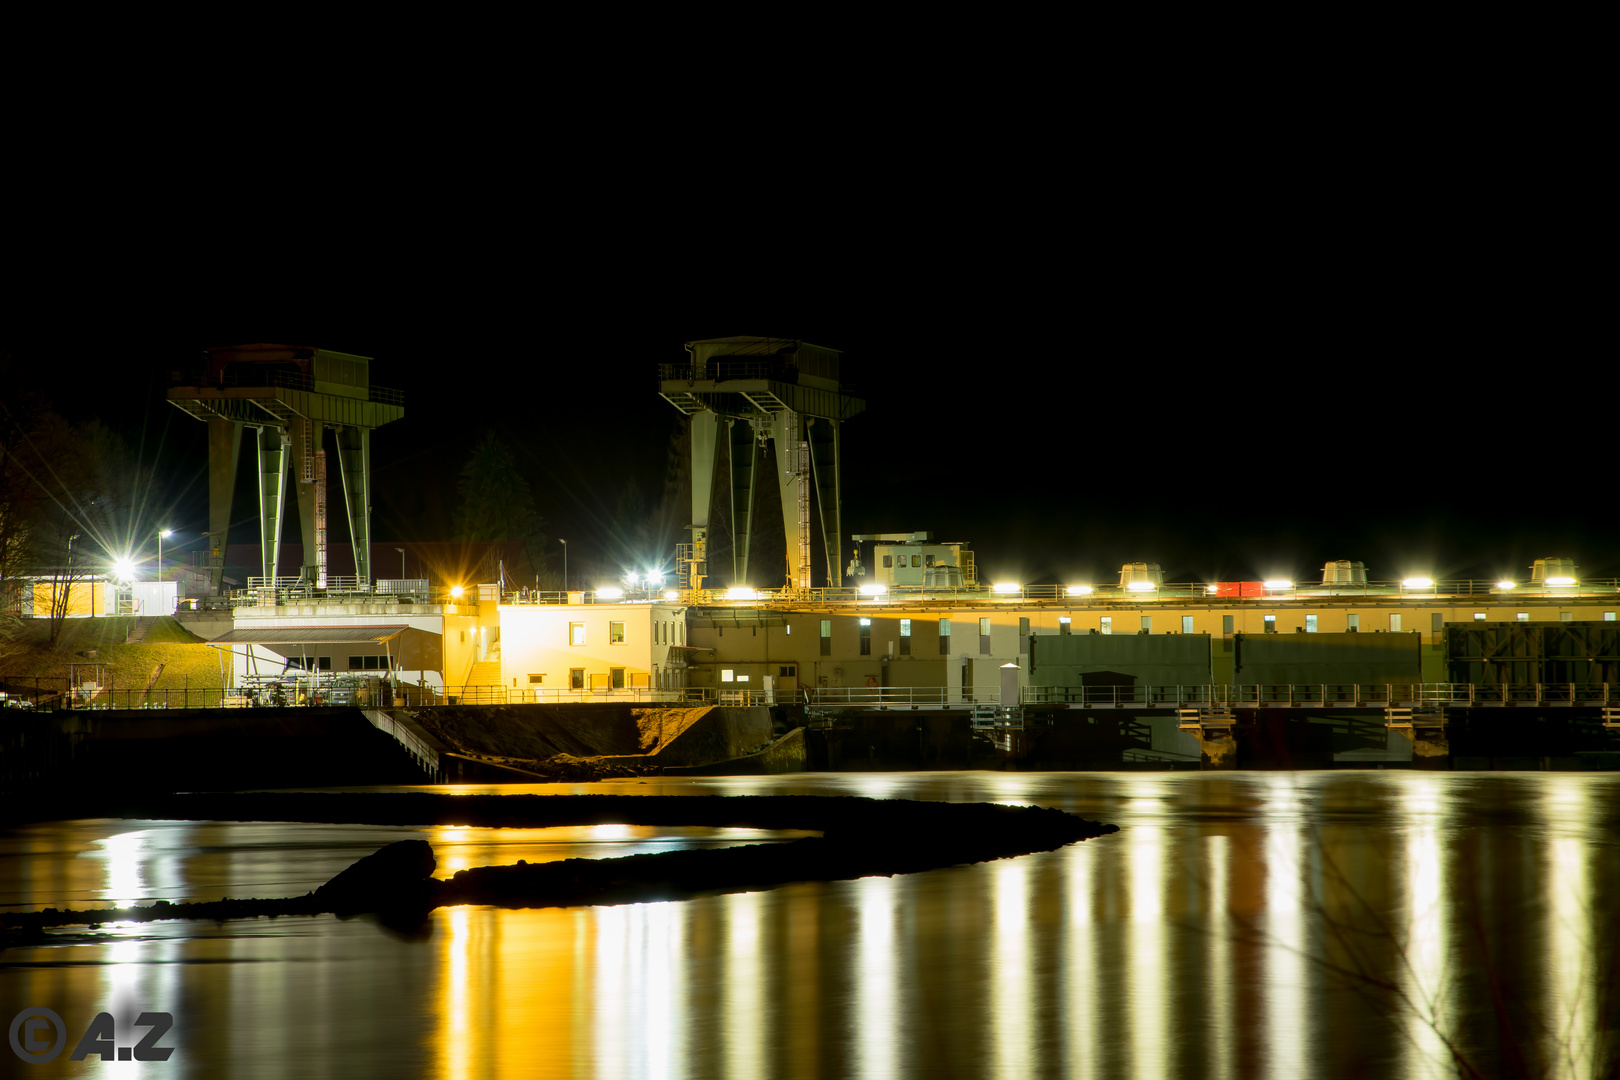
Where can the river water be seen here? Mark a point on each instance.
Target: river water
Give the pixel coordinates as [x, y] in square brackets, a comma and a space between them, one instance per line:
[1282, 925]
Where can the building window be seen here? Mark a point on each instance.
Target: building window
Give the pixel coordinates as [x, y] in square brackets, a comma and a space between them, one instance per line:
[1226, 625]
[727, 675]
[1065, 627]
[1563, 616]
[905, 637]
[536, 680]
[928, 560]
[615, 633]
[742, 678]
[788, 629]
[787, 671]
[1106, 624]
[866, 637]
[944, 637]
[1395, 622]
[576, 678]
[1352, 622]
[576, 633]
[1186, 624]
[1479, 616]
[1147, 624]
[618, 677]
[916, 560]
[1310, 624]
[826, 637]
[464, 637]
[888, 562]
[1608, 616]
[984, 637]
[905, 627]
[1522, 616]
[1271, 624]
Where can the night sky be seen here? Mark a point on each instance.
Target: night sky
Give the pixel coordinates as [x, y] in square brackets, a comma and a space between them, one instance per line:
[1229, 411]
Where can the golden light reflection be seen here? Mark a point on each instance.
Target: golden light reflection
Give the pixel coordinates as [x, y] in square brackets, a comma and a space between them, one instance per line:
[1080, 967]
[1012, 975]
[1425, 968]
[1222, 1021]
[744, 1024]
[1146, 971]
[1285, 988]
[1572, 1005]
[456, 1033]
[875, 1052]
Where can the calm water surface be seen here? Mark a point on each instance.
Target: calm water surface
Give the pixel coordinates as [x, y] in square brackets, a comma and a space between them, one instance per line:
[1239, 925]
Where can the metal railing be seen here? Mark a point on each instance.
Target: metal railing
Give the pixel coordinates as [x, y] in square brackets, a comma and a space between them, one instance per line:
[51, 693]
[245, 376]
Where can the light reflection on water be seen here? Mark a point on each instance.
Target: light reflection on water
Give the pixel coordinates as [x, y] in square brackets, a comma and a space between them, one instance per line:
[1281, 924]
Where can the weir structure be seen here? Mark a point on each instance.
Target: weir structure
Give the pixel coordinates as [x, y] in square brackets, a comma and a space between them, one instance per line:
[782, 390]
[289, 395]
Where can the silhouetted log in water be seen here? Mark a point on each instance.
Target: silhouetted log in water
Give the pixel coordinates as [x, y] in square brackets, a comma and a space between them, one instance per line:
[860, 838]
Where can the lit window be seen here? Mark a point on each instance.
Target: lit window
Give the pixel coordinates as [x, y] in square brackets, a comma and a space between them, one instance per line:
[1107, 624]
[576, 633]
[1522, 616]
[1563, 616]
[1186, 624]
[615, 633]
[984, 627]
[1271, 624]
[727, 675]
[1147, 624]
[1064, 626]
[1352, 622]
[866, 622]
[826, 628]
[905, 627]
[916, 560]
[1608, 616]
[742, 678]
[866, 637]
[1310, 624]
[1479, 616]
[788, 629]
[1395, 622]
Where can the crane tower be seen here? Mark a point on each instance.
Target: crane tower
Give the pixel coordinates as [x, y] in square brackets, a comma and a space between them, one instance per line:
[778, 389]
[289, 395]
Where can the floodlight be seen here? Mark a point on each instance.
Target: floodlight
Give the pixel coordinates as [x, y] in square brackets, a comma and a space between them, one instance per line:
[742, 592]
[1507, 585]
[1141, 586]
[1279, 584]
[874, 589]
[455, 592]
[1078, 590]
[1560, 581]
[1418, 583]
[611, 592]
[1006, 587]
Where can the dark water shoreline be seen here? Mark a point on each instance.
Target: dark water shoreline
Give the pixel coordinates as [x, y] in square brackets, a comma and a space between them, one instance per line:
[858, 840]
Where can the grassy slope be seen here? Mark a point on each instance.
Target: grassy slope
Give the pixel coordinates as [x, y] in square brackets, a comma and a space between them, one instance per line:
[186, 661]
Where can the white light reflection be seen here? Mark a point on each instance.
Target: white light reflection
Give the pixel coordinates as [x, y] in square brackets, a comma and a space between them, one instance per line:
[1146, 975]
[1080, 968]
[638, 991]
[1572, 1005]
[1221, 1021]
[1285, 988]
[1010, 997]
[875, 1034]
[744, 1020]
[1425, 968]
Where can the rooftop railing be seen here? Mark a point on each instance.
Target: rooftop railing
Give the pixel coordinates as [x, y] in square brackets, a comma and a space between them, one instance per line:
[246, 377]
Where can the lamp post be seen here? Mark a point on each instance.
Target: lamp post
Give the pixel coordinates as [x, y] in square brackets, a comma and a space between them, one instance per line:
[161, 534]
[401, 563]
[564, 543]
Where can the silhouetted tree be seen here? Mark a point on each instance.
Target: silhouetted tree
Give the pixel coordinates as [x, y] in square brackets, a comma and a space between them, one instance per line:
[497, 503]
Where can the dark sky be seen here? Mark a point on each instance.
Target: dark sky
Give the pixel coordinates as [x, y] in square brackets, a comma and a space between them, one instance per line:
[1065, 393]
